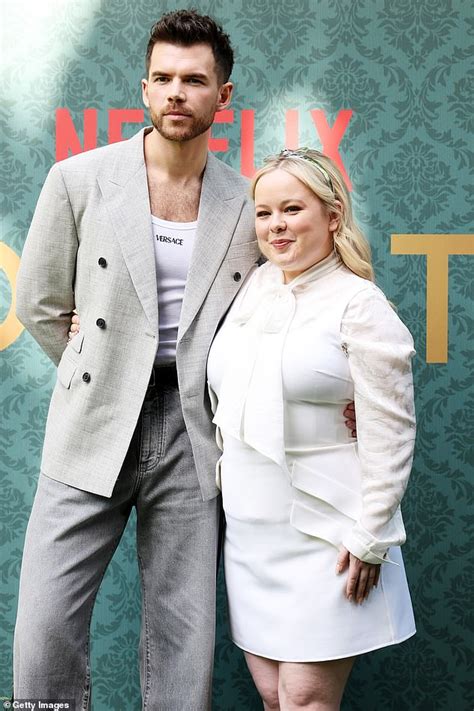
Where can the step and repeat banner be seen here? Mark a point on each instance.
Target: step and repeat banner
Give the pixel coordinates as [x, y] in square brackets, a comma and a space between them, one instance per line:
[385, 88]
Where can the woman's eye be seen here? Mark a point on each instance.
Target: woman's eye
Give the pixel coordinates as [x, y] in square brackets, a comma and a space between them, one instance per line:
[262, 213]
[292, 208]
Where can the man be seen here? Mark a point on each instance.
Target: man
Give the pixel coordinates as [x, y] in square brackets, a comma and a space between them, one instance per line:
[149, 239]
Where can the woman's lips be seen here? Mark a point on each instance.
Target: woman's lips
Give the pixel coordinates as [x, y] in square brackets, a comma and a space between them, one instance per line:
[281, 243]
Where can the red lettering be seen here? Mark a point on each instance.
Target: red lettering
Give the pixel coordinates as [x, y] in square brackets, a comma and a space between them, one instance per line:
[247, 140]
[291, 129]
[67, 140]
[117, 117]
[69, 143]
[221, 145]
[331, 137]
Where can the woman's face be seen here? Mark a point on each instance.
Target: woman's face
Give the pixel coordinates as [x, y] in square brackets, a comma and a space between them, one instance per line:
[292, 225]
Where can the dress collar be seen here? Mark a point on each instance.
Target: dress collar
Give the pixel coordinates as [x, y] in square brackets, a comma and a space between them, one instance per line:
[268, 297]
[317, 271]
[250, 406]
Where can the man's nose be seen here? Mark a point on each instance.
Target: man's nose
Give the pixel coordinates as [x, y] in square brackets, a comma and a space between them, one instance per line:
[176, 91]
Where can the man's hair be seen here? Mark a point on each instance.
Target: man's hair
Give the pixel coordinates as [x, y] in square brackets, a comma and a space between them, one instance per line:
[188, 27]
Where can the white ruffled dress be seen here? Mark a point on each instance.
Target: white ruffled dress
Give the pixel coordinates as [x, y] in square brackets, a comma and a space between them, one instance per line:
[295, 485]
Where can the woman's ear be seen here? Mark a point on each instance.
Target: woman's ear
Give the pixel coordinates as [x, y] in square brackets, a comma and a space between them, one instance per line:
[334, 217]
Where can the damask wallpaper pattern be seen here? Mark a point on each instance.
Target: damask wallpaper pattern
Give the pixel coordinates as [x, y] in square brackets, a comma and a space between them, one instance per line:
[402, 68]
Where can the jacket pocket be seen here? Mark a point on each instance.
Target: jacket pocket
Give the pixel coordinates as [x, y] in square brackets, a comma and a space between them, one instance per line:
[326, 493]
[76, 342]
[66, 370]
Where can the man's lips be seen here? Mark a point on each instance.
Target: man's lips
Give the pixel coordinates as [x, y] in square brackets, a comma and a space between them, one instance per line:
[176, 113]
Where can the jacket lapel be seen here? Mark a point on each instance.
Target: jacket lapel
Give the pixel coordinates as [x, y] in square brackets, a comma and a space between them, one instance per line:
[219, 210]
[125, 191]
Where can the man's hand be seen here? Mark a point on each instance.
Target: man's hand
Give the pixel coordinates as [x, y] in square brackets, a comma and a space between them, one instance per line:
[362, 577]
[74, 327]
[350, 422]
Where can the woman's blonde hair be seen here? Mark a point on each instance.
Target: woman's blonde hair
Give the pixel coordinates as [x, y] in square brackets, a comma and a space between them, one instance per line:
[322, 176]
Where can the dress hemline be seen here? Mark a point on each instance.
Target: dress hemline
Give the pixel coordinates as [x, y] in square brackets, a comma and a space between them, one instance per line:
[328, 659]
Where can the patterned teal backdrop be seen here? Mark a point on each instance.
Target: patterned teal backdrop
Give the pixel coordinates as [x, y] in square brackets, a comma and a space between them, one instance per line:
[402, 68]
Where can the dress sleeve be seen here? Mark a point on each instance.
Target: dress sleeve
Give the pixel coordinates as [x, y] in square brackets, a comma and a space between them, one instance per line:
[379, 348]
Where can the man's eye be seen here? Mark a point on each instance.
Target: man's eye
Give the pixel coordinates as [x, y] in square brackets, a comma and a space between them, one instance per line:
[161, 80]
[193, 80]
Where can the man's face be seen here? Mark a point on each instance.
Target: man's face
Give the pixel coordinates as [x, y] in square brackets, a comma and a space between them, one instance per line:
[182, 91]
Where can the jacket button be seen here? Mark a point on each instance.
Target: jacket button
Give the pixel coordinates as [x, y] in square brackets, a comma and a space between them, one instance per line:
[102, 262]
[100, 323]
[237, 276]
[86, 377]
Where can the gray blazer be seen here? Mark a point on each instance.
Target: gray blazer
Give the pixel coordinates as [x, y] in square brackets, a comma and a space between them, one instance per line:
[90, 247]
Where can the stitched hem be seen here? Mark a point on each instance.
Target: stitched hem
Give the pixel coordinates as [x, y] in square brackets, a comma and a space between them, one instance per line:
[330, 658]
[145, 627]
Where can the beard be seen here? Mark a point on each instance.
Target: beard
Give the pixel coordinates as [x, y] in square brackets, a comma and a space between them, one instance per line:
[193, 127]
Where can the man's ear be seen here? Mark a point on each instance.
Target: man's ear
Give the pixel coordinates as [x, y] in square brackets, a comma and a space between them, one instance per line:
[225, 96]
[145, 93]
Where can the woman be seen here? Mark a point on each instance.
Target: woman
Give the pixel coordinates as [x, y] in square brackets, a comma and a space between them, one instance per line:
[313, 570]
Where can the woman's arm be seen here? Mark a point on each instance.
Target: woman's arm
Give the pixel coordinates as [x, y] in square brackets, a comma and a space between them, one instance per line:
[379, 349]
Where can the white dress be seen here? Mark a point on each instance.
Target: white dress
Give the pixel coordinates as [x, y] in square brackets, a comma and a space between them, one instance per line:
[295, 486]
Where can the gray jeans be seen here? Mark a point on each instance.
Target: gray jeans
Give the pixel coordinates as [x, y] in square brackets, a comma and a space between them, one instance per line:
[71, 537]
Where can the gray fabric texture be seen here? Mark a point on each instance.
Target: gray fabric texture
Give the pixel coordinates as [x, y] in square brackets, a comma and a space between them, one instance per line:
[71, 537]
[95, 205]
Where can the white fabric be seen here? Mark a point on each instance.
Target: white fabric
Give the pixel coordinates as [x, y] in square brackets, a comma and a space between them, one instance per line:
[173, 243]
[295, 485]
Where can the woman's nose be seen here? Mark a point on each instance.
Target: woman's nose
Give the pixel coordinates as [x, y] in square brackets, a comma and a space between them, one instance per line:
[277, 224]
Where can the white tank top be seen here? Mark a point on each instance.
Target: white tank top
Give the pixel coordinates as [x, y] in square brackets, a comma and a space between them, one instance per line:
[173, 247]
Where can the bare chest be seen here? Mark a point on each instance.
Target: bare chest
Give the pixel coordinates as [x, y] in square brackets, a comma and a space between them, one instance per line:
[172, 202]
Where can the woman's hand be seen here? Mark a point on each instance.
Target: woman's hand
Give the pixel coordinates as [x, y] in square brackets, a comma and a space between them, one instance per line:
[74, 327]
[362, 577]
[350, 421]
